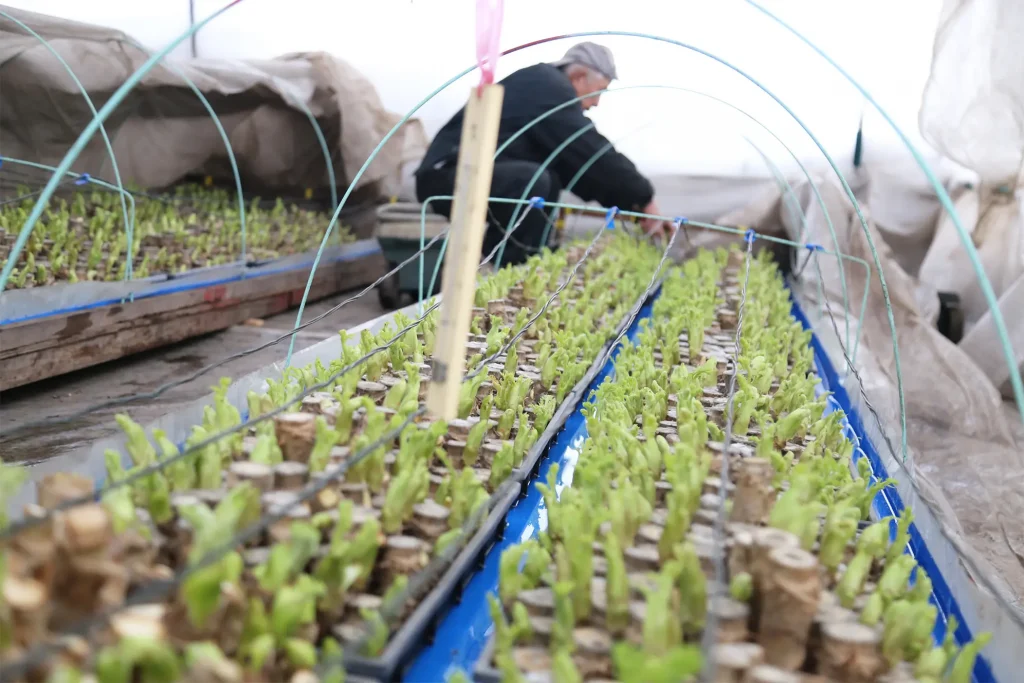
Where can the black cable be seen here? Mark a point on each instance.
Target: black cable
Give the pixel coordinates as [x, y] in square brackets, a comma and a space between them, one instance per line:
[157, 590]
[506, 237]
[653, 285]
[686, 234]
[569, 278]
[34, 193]
[30, 522]
[276, 411]
[800, 269]
[425, 577]
[25, 176]
[853, 369]
[518, 335]
[529, 249]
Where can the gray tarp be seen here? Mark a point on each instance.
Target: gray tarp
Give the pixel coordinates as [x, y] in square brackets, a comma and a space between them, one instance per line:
[161, 131]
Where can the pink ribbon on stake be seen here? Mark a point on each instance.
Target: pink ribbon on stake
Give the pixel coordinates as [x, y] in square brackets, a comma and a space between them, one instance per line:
[488, 35]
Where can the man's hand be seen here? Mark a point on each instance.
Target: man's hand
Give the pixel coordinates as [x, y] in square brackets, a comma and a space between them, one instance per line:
[655, 228]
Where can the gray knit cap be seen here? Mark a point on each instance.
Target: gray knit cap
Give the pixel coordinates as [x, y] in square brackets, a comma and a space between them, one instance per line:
[597, 57]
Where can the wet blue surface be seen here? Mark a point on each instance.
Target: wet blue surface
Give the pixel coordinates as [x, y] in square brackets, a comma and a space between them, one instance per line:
[465, 629]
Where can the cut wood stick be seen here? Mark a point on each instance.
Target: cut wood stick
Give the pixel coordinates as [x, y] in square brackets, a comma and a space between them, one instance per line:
[469, 217]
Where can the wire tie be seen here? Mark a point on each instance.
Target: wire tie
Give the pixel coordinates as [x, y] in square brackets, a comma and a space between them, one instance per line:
[814, 247]
[536, 203]
[681, 220]
[609, 218]
[83, 179]
[750, 236]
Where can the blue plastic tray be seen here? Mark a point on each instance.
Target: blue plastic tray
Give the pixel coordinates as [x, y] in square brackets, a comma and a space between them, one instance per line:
[206, 277]
[464, 631]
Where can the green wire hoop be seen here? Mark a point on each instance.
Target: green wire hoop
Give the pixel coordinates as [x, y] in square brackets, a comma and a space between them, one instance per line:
[129, 225]
[814, 188]
[947, 205]
[86, 135]
[784, 187]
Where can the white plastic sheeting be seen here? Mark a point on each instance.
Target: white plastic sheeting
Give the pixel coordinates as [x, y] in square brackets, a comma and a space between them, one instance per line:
[409, 47]
[972, 111]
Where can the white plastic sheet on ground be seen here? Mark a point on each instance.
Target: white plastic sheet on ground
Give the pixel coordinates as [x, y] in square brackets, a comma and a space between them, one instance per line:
[972, 111]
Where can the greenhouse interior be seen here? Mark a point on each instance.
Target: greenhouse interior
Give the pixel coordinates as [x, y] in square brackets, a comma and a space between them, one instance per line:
[275, 266]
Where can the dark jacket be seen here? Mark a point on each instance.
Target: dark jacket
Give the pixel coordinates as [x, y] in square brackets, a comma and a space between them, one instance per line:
[612, 180]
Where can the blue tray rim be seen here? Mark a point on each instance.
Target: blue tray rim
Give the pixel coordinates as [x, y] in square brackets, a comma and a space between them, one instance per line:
[888, 501]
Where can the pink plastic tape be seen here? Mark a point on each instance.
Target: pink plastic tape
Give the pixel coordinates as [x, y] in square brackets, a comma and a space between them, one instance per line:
[488, 36]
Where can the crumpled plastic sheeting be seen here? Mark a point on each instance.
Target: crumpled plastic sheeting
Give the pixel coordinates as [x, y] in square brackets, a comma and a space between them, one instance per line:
[964, 474]
[161, 132]
[972, 111]
[972, 108]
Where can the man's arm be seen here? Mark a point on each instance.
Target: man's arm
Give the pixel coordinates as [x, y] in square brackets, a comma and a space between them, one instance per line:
[611, 180]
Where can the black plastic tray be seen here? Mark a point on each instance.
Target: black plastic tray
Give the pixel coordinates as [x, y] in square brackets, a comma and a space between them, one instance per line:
[420, 625]
[483, 672]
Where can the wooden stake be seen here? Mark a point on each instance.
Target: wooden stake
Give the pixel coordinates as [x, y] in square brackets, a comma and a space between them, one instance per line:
[469, 218]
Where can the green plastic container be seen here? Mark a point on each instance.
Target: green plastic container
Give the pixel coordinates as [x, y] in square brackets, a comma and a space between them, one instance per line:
[398, 233]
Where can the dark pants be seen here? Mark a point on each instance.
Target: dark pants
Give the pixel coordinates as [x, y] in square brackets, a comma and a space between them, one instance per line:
[509, 181]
